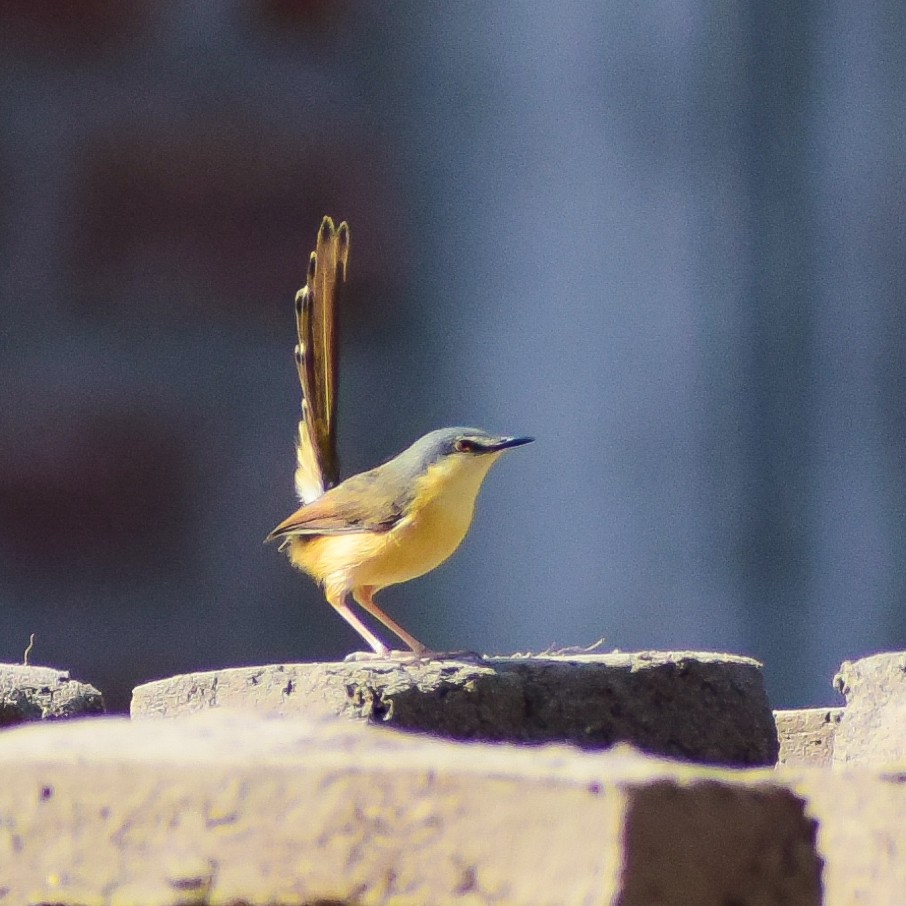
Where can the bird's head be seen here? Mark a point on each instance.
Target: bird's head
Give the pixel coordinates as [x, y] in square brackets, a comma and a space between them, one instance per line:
[453, 460]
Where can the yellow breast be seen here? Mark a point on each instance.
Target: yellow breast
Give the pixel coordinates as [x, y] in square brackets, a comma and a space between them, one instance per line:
[434, 526]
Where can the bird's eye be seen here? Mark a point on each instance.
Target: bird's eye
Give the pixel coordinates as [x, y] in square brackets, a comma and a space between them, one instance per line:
[464, 446]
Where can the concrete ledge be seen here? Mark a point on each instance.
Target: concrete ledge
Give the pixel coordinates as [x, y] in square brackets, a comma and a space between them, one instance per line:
[223, 808]
[861, 833]
[806, 735]
[872, 730]
[710, 708]
[43, 693]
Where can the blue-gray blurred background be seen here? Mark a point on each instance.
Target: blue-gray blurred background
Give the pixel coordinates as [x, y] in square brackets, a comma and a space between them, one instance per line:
[666, 239]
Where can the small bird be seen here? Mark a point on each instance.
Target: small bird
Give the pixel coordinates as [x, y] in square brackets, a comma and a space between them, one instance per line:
[392, 523]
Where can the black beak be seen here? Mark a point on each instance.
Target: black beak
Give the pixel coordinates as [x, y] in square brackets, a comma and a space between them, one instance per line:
[506, 442]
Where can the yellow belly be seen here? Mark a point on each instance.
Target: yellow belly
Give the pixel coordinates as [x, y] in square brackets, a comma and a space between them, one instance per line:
[415, 546]
[437, 521]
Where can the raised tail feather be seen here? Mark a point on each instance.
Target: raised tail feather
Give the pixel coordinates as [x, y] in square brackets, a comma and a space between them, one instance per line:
[317, 354]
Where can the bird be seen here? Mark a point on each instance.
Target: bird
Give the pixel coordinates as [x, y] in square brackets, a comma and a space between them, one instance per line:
[389, 524]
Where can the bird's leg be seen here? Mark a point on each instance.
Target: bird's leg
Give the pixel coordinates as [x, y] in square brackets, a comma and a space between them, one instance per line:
[338, 601]
[363, 597]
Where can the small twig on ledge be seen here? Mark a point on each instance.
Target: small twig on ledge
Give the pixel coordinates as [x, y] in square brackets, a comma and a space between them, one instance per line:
[576, 649]
[552, 650]
[31, 644]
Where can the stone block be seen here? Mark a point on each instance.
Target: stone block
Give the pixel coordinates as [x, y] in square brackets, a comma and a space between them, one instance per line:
[872, 730]
[861, 835]
[806, 735]
[703, 707]
[43, 693]
[225, 807]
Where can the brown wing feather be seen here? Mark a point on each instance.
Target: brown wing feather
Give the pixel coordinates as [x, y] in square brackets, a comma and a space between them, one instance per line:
[317, 464]
[369, 502]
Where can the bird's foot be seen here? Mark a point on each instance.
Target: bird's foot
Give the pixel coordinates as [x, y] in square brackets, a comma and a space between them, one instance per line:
[394, 654]
[406, 656]
[462, 655]
[429, 655]
[354, 656]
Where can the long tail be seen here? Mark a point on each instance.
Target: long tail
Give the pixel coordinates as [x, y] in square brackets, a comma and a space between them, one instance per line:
[317, 354]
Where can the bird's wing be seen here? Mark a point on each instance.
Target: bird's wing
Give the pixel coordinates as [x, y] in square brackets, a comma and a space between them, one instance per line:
[362, 503]
[317, 354]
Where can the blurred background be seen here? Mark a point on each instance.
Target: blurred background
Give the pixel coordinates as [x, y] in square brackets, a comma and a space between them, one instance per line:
[667, 240]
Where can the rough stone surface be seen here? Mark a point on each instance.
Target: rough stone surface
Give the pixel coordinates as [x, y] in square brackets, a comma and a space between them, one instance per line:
[225, 808]
[872, 730]
[43, 693]
[861, 832]
[703, 707]
[806, 735]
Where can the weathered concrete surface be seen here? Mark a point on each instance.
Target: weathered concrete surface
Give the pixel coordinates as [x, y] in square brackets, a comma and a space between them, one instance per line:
[43, 693]
[704, 707]
[872, 730]
[806, 735]
[861, 832]
[224, 808]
